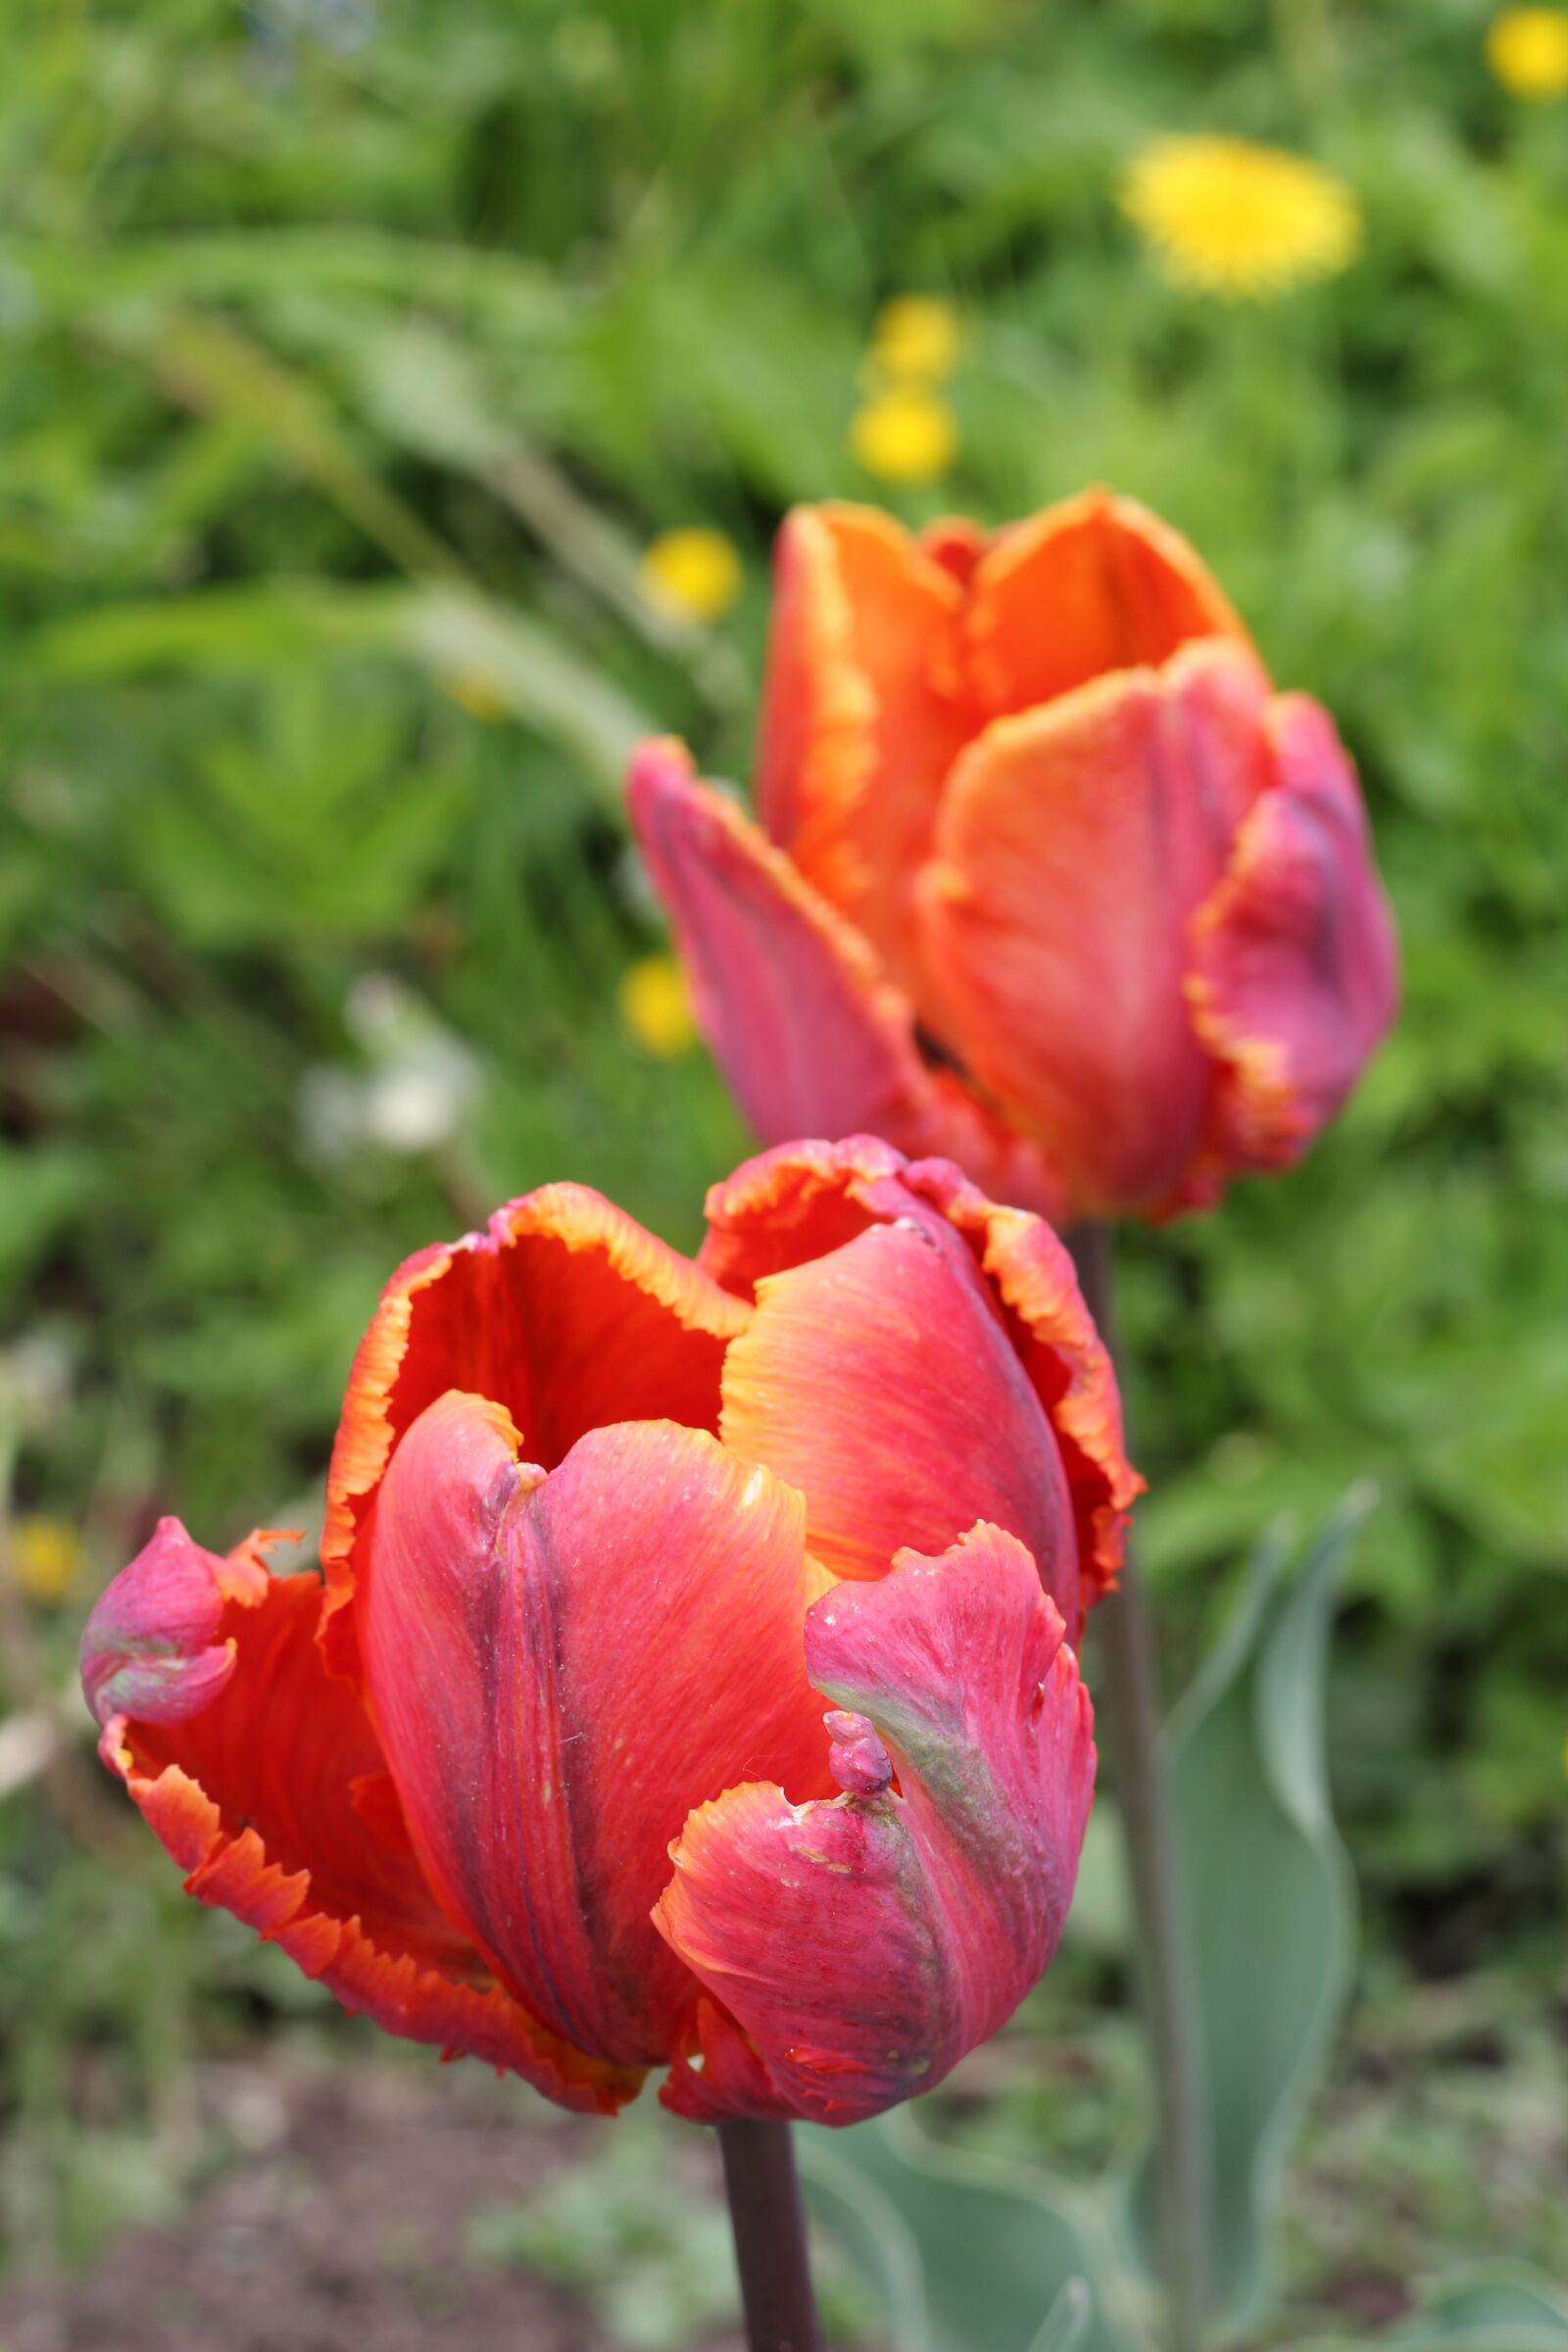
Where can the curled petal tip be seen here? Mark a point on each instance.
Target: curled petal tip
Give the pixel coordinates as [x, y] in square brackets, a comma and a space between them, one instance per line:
[654, 762]
[949, 1904]
[1294, 973]
[152, 1649]
[858, 1759]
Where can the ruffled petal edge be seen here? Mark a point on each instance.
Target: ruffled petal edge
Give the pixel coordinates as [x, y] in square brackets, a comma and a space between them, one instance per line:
[152, 1643]
[803, 1199]
[854, 1949]
[373, 1416]
[1295, 961]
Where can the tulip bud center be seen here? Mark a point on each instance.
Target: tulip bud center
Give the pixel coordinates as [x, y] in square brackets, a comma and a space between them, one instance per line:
[858, 1759]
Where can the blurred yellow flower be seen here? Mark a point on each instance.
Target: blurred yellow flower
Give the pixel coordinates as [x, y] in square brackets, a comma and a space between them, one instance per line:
[1526, 48]
[656, 1005]
[692, 574]
[46, 1557]
[916, 339]
[904, 435]
[476, 694]
[1233, 219]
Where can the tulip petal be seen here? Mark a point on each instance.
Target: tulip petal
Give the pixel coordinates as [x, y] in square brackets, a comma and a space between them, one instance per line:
[808, 1030]
[862, 1945]
[263, 1778]
[801, 1200]
[1073, 848]
[1295, 968]
[862, 714]
[1092, 585]
[880, 1380]
[1063, 1355]
[563, 1310]
[561, 1667]
[794, 1203]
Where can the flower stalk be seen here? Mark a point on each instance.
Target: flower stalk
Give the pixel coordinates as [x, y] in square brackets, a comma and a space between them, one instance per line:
[1129, 1680]
[768, 2221]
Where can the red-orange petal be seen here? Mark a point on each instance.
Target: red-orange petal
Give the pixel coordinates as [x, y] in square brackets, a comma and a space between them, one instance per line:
[263, 1778]
[802, 1018]
[863, 714]
[1092, 585]
[1033, 1275]
[879, 1379]
[861, 1946]
[565, 1310]
[790, 1204]
[803, 1201]
[1074, 846]
[1295, 961]
[561, 1667]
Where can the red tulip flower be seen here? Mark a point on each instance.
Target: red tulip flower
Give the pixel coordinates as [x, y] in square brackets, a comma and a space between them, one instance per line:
[1049, 879]
[540, 1768]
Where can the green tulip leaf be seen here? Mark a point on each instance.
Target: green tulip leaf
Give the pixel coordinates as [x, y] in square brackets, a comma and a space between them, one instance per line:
[1066, 2329]
[870, 2232]
[966, 2253]
[1268, 1893]
[1489, 2311]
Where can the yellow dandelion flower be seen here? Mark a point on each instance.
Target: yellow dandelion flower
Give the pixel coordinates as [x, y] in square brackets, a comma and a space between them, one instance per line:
[1233, 219]
[46, 1557]
[476, 694]
[904, 435]
[917, 340]
[1526, 48]
[656, 1005]
[692, 574]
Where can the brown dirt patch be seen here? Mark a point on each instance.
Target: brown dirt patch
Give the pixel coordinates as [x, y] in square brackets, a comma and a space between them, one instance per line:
[341, 2230]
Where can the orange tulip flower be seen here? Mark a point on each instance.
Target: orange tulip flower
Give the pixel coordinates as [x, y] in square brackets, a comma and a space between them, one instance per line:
[540, 1770]
[1048, 878]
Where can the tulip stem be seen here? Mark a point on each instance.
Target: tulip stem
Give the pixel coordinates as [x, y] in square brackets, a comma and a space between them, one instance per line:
[768, 2220]
[1130, 1680]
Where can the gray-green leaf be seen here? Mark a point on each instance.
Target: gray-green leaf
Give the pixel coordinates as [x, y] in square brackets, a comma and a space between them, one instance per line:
[967, 2254]
[1267, 1891]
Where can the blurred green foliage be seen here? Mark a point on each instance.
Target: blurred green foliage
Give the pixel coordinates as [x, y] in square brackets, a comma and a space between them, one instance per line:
[639, 2232]
[353, 350]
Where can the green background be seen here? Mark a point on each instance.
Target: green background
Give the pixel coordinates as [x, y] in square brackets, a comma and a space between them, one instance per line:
[351, 352]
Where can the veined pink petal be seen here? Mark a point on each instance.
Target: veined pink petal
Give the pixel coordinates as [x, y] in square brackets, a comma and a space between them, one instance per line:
[861, 1946]
[561, 1667]
[801, 1201]
[881, 1382]
[810, 1033]
[1073, 847]
[1294, 965]
[1035, 1280]
[262, 1777]
[565, 1310]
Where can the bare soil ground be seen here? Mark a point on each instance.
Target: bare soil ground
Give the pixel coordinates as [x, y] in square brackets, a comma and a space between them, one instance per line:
[342, 2230]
